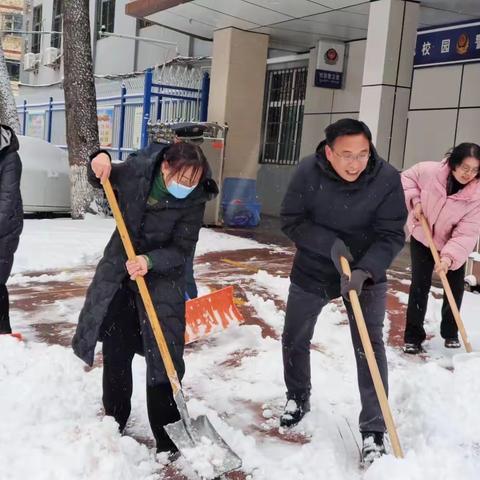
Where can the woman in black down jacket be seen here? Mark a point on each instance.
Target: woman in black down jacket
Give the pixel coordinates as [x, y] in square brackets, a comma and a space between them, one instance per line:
[11, 215]
[162, 191]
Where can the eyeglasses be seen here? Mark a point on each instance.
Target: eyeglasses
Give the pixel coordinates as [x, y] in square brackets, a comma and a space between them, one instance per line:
[467, 170]
[348, 157]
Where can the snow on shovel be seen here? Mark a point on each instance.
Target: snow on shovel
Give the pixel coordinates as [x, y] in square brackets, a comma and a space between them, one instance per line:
[372, 364]
[195, 438]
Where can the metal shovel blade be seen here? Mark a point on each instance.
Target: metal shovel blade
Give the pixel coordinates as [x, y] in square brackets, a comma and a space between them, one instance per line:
[201, 445]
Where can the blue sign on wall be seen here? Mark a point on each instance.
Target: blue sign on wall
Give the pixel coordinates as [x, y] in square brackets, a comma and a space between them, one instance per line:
[448, 45]
[328, 79]
[330, 60]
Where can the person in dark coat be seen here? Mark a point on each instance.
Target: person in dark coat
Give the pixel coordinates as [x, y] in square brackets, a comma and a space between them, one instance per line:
[342, 201]
[162, 191]
[11, 216]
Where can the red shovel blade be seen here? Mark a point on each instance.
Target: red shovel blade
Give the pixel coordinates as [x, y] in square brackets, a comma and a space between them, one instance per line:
[211, 313]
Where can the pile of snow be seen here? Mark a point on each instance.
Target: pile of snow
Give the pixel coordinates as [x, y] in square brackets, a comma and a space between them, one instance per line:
[51, 421]
[205, 457]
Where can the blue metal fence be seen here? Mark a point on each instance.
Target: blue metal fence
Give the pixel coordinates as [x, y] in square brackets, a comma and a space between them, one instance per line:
[158, 102]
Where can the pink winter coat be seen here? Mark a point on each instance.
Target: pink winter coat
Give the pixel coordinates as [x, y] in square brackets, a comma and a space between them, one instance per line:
[455, 220]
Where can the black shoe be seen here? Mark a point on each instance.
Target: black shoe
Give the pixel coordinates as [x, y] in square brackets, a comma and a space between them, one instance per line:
[373, 447]
[295, 410]
[452, 343]
[413, 348]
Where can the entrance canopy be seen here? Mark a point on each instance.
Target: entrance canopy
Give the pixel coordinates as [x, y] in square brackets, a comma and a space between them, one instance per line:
[292, 25]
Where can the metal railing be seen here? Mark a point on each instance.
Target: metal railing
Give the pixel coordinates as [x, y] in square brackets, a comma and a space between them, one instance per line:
[123, 118]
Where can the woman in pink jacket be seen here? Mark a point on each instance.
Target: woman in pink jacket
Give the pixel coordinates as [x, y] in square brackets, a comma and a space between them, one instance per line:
[448, 195]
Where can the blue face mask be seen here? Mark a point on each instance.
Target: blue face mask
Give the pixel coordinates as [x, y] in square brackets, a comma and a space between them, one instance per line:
[180, 191]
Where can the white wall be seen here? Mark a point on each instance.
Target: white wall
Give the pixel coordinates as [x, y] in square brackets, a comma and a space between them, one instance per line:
[117, 55]
[325, 105]
[149, 54]
[444, 111]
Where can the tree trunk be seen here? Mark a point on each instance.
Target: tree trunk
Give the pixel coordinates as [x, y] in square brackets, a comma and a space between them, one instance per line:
[80, 102]
[8, 109]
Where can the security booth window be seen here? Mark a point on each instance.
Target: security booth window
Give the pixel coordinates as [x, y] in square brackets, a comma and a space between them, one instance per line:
[283, 115]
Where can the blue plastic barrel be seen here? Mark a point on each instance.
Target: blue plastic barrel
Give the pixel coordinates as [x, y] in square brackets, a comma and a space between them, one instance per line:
[240, 207]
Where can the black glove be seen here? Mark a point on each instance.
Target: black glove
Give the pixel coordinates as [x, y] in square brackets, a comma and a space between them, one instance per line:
[339, 249]
[355, 282]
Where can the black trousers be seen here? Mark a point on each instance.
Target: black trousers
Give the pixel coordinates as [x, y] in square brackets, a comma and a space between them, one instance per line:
[422, 270]
[122, 338]
[4, 311]
[303, 309]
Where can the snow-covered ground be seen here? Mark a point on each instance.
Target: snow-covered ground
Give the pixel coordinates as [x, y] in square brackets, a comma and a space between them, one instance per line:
[51, 422]
[64, 243]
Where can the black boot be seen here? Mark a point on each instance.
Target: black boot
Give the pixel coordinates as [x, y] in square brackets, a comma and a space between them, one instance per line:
[413, 348]
[295, 409]
[4, 311]
[452, 343]
[162, 410]
[373, 447]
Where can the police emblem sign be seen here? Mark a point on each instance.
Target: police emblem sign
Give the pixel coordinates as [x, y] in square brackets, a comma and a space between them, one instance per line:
[448, 45]
[329, 70]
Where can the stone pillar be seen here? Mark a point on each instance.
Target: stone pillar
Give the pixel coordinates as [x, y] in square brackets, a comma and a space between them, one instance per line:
[387, 75]
[237, 96]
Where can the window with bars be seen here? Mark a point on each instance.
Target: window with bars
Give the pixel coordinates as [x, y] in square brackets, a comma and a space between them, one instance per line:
[106, 15]
[283, 115]
[37, 27]
[57, 23]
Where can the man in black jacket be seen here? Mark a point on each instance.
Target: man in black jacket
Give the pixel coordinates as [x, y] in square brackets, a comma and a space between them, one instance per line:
[343, 201]
[11, 215]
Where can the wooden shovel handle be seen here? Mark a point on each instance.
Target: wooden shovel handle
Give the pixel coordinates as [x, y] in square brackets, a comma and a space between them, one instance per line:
[446, 285]
[144, 293]
[372, 364]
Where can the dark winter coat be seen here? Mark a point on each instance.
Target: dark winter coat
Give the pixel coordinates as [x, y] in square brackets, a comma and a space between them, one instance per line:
[368, 215]
[168, 234]
[11, 208]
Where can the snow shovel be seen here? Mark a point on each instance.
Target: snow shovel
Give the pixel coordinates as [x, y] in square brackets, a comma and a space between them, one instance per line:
[196, 439]
[372, 364]
[210, 313]
[446, 286]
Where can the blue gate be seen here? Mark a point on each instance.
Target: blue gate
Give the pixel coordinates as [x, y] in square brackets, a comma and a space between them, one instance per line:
[127, 114]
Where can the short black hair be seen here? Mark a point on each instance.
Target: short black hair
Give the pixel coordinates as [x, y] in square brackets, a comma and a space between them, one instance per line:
[456, 155]
[184, 155]
[347, 126]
